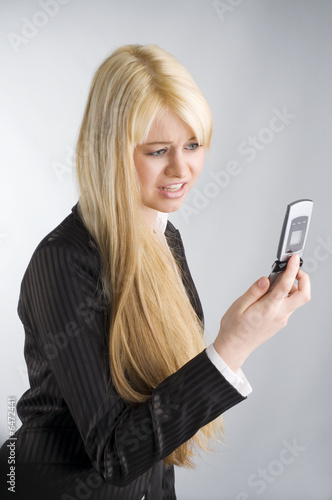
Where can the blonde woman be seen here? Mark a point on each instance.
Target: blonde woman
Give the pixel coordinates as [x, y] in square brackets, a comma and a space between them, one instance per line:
[123, 386]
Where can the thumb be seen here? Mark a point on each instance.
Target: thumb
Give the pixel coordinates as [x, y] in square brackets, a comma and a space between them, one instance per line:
[254, 293]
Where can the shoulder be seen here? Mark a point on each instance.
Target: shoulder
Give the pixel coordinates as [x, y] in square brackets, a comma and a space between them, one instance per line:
[68, 244]
[66, 263]
[71, 231]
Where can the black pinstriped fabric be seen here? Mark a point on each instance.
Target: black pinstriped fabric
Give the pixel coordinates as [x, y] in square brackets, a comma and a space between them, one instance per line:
[79, 440]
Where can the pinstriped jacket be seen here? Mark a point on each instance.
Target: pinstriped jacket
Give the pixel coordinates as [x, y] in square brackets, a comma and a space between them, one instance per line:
[79, 439]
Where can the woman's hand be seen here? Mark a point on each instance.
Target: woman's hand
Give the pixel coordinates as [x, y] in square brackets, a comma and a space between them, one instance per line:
[256, 316]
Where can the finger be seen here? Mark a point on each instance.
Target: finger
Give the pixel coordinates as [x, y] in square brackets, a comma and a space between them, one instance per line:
[283, 288]
[254, 293]
[293, 289]
[303, 292]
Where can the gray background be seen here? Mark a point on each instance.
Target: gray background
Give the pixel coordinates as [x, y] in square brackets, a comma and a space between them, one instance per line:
[250, 58]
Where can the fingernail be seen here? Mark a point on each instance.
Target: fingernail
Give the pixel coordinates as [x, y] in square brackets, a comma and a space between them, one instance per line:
[261, 283]
[297, 259]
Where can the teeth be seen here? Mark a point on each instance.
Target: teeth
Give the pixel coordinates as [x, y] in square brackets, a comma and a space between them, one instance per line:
[175, 187]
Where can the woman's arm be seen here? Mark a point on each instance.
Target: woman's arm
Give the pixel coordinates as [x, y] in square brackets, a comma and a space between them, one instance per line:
[59, 304]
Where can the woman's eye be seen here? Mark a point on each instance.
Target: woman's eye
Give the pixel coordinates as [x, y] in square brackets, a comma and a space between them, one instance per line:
[193, 146]
[160, 152]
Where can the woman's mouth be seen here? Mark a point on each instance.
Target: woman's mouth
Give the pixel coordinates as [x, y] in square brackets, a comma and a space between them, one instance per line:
[175, 190]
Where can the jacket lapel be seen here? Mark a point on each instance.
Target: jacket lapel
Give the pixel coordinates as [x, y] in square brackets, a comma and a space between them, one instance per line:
[174, 241]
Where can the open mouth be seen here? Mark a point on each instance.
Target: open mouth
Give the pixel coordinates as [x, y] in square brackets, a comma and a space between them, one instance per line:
[173, 187]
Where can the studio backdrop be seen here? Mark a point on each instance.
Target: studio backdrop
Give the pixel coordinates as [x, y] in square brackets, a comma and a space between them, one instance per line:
[265, 67]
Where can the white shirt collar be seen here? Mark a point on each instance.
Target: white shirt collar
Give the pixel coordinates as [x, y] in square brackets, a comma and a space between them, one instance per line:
[161, 223]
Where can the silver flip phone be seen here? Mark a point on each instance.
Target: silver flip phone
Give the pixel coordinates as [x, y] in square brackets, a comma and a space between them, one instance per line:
[293, 237]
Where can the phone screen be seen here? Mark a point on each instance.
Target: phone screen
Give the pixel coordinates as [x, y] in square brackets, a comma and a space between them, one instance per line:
[297, 234]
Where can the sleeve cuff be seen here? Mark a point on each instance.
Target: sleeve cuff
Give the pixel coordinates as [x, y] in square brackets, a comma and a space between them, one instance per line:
[236, 379]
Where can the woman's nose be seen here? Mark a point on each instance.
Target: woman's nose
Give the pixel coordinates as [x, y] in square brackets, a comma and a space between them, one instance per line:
[177, 165]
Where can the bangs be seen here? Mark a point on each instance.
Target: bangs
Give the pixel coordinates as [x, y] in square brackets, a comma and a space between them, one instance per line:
[189, 106]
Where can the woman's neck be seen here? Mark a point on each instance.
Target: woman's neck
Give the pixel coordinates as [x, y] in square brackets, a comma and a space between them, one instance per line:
[149, 215]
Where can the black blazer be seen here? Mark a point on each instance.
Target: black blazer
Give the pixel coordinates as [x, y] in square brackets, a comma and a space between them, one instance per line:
[79, 439]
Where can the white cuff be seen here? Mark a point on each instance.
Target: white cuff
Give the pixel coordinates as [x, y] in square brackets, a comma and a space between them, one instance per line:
[238, 379]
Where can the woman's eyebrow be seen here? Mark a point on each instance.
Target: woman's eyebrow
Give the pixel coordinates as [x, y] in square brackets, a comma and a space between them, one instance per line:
[165, 142]
[157, 142]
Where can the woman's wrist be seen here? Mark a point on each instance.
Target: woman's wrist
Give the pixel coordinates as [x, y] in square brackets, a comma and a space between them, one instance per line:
[231, 352]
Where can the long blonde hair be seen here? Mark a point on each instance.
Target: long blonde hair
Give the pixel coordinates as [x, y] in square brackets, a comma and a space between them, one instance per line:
[154, 329]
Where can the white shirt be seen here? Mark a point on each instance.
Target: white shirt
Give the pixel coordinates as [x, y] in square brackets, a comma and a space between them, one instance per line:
[236, 379]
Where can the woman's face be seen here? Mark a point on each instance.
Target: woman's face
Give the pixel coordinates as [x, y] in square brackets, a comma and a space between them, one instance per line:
[168, 165]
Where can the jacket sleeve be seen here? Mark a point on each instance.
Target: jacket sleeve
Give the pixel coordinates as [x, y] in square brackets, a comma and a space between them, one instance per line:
[60, 304]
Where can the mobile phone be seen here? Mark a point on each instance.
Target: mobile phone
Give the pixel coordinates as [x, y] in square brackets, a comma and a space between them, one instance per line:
[293, 237]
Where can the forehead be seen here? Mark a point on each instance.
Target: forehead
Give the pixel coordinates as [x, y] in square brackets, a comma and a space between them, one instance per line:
[168, 127]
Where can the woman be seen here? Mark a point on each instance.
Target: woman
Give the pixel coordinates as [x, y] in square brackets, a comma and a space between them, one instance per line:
[122, 385]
